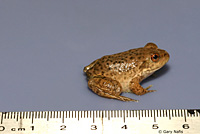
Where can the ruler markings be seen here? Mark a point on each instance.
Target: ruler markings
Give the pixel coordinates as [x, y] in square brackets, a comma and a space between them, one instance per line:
[75, 114]
[138, 114]
[20, 115]
[161, 113]
[35, 115]
[164, 113]
[78, 115]
[105, 115]
[175, 115]
[135, 113]
[108, 115]
[141, 113]
[145, 113]
[1, 118]
[181, 114]
[129, 113]
[93, 116]
[81, 114]
[47, 115]
[185, 116]
[198, 112]
[170, 114]
[54, 114]
[90, 114]
[8, 115]
[102, 117]
[28, 115]
[154, 115]
[178, 113]
[31, 115]
[17, 118]
[13, 115]
[63, 117]
[123, 114]
[97, 114]
[39, 114]
[66, 114]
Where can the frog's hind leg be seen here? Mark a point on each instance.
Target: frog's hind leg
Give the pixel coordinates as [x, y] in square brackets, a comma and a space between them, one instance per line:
[107, 87]
[137, 89]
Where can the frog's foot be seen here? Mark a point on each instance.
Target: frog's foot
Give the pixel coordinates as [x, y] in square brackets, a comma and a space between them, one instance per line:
[107, 87]
[149, 91]
[122, 98]
[137, 89]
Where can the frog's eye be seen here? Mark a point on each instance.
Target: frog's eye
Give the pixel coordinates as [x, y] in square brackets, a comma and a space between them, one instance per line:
[155, 57]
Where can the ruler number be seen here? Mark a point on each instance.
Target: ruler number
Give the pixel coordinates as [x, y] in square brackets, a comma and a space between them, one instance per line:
[155, 126]
[186, 126]
[124, 127]
[2, 128]
[63, 127]
[93, 127]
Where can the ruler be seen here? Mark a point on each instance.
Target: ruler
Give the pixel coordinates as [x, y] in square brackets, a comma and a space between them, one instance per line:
[180, 121]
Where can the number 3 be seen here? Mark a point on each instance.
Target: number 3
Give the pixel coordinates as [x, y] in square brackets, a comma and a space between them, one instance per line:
[93, 127]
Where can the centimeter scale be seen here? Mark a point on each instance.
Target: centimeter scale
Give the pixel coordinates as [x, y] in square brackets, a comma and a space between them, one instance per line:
[181, 121]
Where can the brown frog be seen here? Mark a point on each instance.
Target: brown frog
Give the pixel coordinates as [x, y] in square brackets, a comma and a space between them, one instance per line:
[113, 74]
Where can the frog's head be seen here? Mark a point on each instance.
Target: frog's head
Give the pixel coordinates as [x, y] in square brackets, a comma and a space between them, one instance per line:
[154, 59]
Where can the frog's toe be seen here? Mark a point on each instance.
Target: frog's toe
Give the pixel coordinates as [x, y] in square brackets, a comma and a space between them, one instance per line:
[149, 91]
[123, 98]
[148, 87]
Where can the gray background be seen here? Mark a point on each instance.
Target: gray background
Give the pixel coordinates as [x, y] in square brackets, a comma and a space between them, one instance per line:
[44, 46]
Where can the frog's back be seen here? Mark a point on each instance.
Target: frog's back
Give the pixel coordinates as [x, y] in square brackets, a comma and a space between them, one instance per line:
[113, 65]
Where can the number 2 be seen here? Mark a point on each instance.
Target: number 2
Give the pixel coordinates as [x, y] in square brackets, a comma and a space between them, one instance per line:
[63, 127]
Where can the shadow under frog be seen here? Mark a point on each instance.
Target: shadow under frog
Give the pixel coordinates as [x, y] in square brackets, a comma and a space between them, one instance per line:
[111, 75]
[157, 74]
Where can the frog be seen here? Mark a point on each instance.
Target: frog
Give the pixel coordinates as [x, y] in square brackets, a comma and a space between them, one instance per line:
[111, 75]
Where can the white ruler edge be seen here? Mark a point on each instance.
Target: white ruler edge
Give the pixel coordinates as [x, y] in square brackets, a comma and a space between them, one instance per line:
[161, 121]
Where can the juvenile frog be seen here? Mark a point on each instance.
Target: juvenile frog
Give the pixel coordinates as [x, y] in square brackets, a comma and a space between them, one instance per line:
[113, 74]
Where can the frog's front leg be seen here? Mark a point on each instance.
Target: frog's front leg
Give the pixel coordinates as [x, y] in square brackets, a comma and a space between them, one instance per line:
[137, 89]
[107, 87]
